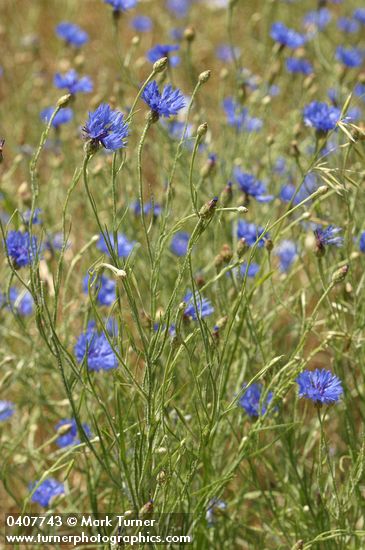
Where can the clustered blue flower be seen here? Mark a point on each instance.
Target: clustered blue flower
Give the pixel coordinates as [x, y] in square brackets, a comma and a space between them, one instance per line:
[179, 243]
[72, 34]
[124, 246]
[121, 5]
[20, 248]
[289, 191]
[328, 236]
[251, 400]
[71, 436]
[63, 116]
[104, 288]
[238, 117]
[179, 8]
[21, 302]
[205, 308]
[346, 24]
[164, 50]
[7, 409]
[317, 19]
[321, 116]
[362, 242]
[287, 252]
[287, 37]
[251, 233]
[142, 23]
[107, 128]
[359, 15]
[167, 103]
[94, 348]
[320, 386]
[73, 83]
[251, 269]
[251, 186]
[296, 65]
[351, 57]
[47, 490]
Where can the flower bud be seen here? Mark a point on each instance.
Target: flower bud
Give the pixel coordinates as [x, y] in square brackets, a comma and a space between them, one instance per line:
[340, 274]
[64, 100]
[160, 65]
[208, 209]
[189, 34]
[202, 130]
[204, 77]
[242, 247]
[269, 245]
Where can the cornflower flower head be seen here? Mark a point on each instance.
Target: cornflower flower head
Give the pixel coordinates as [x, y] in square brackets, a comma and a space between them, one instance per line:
[94, 348]
[295, 65]
[121, 5]
[104, 288]
[72, 34]
[362, 242]
[346, 24]
[287, 253]
[205, 308]
[124, 246]
[179, 8]
[251, 186]
[227, 53]
[252, 402]
[350, 57]
[107, 128]
[36, 217]
[327, 237]
[321, 116]
[238, 117]
[360, 90]
[320, 386]
[359, 15]
[7, 409]
[251, 232]
[252, 269]
[167, 104]
[63, 116]
[21, 302]
[288, 191]
[287, 37]
[164, 50]
[47, 491]
[142, 23]
[69, 432]
[215, 507]
[71, 82]
[317, 19]
[179, 243]
[20, 248]
[149, 208]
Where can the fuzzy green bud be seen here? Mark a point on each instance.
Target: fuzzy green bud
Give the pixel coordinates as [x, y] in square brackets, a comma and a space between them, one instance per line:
[160, 65]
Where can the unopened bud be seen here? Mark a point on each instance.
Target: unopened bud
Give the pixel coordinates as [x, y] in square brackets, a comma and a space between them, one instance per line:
[204, 77]
[64, 100]
[340, 274]
[160, 65]
[269, 245]
[202, 130]
[208, 209]
[226, 195]
[189, 34]
[242, 247]
[322, 190]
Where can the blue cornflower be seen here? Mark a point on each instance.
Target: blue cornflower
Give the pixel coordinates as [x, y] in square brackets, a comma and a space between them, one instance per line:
[251, 186]
[179, 8]
[104, 287]
[287, 253]
[215, 506]
[175, 129]
[295, 65]
[179, 243]
[328, 236]
[321, 116]
[359, 15]
[359, 90]
[251, 271]
[164, 50]
[148, 208]
[55, 242]
[21, 302]
[351, 57]
[250, 232]
[47, 490]
[238, 117]
[288, 191]
[142, 23]
[205, 308]
[286, 37]
[125, 246]
[251, 400]
[107, 128]
[7, 409]
[169, 103]
[20, 248]
[95, 347]
[72, 34]
[280, 165]
[73, 83]
[70, 437]
[226, 53]
[362, 242]
[121, 5]
[345, 24]
[320, 385]
[317, 19]
[62, 117]
[36, 216]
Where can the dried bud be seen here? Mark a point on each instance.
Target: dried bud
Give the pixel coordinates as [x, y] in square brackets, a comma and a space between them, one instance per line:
[269, 245]
[160, 65]
[242, 247]
[204, 77]
[161, 477]
[147, 508]
[200, 281]
[340, 274]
